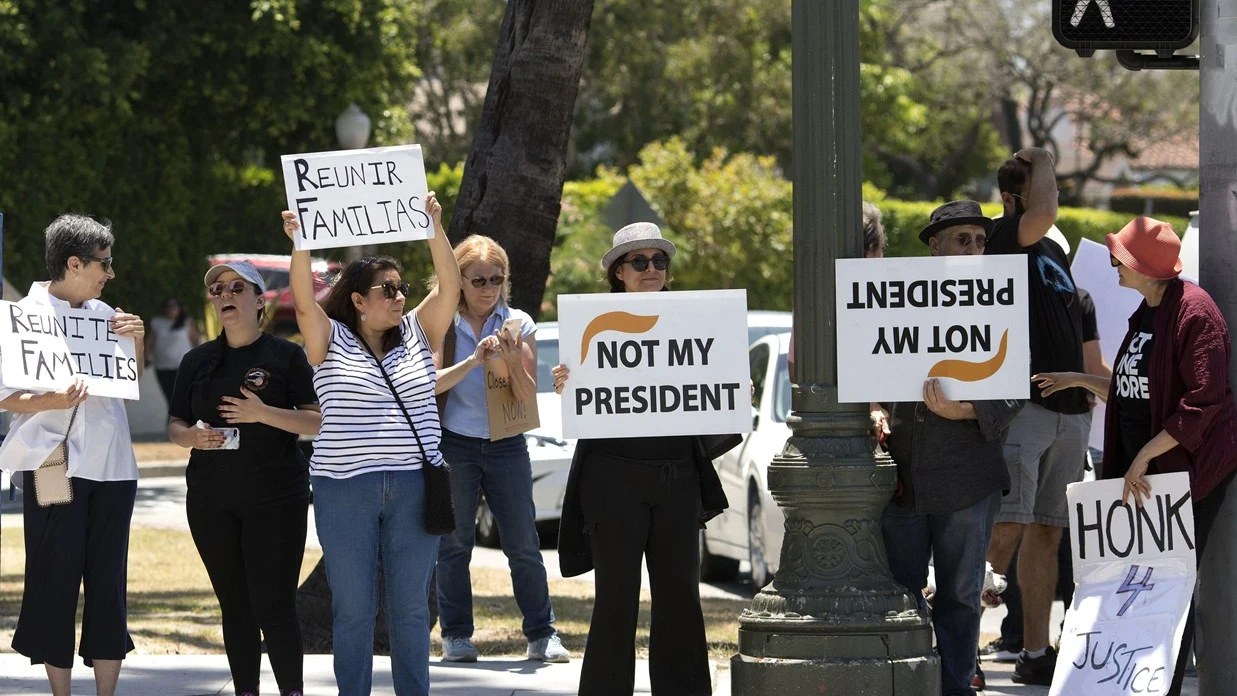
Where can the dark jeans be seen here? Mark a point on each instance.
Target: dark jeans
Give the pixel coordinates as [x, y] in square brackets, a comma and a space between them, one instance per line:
[1011, 625]
[253, 558]
[82, 543]
[957, 543]
[167, 383]
[634, 509]
[503, 471]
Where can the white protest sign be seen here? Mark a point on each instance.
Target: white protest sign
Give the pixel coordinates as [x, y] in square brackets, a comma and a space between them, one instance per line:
[655, 363]
[44, 348]
[961, 319]
[1135, 570]
[352, 197]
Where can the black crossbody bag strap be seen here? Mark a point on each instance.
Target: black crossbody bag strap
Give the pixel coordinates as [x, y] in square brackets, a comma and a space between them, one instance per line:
[391, 385]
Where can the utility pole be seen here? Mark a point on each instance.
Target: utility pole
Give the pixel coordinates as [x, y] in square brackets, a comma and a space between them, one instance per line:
[834, 621]
[1216, 604]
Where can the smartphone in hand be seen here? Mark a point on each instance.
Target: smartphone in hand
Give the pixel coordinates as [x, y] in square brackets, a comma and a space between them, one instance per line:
[231, 438]
[512, 327]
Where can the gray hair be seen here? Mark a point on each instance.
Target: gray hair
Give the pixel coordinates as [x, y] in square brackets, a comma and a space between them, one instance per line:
[873, 230]
[74, 235]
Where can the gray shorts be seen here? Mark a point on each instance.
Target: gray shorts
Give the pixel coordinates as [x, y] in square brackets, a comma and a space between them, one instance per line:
[1045, 452]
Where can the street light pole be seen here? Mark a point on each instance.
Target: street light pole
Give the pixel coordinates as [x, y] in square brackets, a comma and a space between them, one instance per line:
[352, 131]
[834, 620]
[1215, 605]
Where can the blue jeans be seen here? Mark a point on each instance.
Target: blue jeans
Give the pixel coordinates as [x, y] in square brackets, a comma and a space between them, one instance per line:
[357, 519]
[501, 469]
[957, 543]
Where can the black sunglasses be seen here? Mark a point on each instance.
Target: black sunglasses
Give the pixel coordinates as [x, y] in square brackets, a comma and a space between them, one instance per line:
[105, 262]
[390, 289]
[965, 239]
[1113, 260]
[496, 281]
[236, 287]
[640, 262]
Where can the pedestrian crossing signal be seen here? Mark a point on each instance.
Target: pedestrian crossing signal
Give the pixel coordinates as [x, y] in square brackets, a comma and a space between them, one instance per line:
[1156, 25]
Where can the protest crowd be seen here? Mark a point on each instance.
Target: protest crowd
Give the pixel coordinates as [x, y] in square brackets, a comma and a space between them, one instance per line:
[396, 401]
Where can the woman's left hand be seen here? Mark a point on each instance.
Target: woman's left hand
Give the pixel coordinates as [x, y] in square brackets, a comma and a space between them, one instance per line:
[433, 208]
[1136, 481]
[247, 409]
[124, 324]
[510, 347]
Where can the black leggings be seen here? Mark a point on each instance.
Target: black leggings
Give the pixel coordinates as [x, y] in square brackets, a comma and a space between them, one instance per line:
[254, 562]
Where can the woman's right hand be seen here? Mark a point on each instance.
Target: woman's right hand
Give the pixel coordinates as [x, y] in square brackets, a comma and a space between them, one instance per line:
[68, 397]
[486, 349]
[290, 224]
[560, 373]
[205, 437]
[1052, 382]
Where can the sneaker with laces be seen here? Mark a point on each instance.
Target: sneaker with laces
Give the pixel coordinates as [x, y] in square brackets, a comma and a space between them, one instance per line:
[978, 682]
[1001, 650]
[458, 650]
[1035, 670]
[548, 649]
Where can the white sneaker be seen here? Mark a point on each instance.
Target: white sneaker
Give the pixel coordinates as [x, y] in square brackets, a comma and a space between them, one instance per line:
[549, 649]
[458, 650]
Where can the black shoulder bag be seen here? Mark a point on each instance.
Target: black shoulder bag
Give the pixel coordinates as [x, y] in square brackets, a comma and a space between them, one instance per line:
[439, 512]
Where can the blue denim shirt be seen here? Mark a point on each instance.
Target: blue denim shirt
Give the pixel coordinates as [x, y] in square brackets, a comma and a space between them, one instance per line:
[466, 412]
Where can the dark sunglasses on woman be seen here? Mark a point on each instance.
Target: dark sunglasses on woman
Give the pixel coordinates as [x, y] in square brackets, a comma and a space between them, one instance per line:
[640, 262]
[390, 289]
[105, 262]
[236, 287]
[480, 281]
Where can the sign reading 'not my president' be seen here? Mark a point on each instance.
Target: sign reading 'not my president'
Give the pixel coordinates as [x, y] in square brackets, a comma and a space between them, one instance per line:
[656, 363]
[960, 319]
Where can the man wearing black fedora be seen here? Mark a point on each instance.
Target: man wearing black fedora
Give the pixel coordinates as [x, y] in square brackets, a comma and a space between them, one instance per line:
[951, 476]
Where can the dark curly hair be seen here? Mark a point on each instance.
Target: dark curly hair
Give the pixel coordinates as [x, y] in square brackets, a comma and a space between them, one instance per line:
[359, 277]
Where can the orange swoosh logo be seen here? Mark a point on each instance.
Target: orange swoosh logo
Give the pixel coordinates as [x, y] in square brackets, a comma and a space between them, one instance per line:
[614, 321]
[966, 371]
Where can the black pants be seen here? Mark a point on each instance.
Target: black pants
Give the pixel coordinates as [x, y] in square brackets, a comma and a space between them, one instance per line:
[254, 559]
[82, 543]
[635, 509]
[167, 383]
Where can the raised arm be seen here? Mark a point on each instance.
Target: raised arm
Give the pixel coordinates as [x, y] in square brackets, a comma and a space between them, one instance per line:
[1041, 213]
[314, 325]
[438, 308]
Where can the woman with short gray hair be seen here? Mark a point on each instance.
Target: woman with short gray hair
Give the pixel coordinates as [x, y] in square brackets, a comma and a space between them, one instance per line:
[85, 538]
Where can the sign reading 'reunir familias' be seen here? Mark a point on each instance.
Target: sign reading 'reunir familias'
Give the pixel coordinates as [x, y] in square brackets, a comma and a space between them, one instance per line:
[960, 319]
[46, 348]
[1135, 569]
[354, 197]
[656, 363]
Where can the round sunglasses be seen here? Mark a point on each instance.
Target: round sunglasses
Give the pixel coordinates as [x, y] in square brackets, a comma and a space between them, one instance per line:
[640, 262]
[236, 287]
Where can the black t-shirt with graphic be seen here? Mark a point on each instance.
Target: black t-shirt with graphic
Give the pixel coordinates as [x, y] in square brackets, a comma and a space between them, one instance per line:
[268, 468]
[1132, 376]
[1055, 321]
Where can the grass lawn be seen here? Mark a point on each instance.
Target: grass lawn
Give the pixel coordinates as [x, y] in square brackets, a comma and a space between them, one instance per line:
[172, 609]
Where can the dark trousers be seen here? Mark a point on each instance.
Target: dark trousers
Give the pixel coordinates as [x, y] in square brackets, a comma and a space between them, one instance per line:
[82, 543]
[635, 509]
[167, 383]
[254, 559]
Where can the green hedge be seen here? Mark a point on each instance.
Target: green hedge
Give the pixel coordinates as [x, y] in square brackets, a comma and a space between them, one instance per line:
[1164, 201]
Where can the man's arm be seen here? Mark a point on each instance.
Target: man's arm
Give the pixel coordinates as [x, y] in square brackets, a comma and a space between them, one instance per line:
[1041, 198]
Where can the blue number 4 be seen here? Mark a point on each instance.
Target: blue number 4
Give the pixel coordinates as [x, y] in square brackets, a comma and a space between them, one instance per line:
[1133, 588]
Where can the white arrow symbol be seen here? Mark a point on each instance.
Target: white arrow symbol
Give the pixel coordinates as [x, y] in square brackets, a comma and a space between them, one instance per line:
[1080, 10]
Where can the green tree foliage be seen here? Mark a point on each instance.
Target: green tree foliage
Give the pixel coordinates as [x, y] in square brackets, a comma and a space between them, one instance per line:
[169, 118]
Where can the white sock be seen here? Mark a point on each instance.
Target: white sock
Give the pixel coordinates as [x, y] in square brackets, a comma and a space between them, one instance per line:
[1032, 655]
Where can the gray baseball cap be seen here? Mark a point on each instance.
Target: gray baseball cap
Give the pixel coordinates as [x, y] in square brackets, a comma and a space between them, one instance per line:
[244, 269]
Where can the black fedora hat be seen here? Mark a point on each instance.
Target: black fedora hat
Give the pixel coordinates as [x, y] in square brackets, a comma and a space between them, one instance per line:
[955, 213]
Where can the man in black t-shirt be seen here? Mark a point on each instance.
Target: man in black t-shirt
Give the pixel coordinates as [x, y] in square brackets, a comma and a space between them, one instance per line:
[1047, 441]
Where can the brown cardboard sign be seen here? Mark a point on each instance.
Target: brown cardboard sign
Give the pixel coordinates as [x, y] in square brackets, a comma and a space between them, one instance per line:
[508, 416]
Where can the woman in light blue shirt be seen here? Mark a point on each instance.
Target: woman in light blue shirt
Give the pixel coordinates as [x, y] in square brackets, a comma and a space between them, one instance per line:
[501, 468]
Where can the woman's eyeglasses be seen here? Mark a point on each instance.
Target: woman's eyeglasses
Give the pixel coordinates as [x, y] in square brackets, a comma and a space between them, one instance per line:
[479, 282]
[236, 287]
[390, 289]
[1113, 260]
[105, 262]
[640, 262]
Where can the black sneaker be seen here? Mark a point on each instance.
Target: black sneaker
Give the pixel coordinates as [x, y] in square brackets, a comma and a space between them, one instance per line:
[1001, 650]
[978, 682]
[1036, 670]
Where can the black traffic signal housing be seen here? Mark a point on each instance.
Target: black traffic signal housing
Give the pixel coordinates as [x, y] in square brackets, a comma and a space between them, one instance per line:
[1163, 26]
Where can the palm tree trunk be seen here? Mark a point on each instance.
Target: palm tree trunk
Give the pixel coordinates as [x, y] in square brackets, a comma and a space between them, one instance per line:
[513, 178]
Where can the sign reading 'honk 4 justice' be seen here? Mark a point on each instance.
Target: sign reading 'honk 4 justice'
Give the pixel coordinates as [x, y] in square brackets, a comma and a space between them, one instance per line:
[655, 363]
[959, 319]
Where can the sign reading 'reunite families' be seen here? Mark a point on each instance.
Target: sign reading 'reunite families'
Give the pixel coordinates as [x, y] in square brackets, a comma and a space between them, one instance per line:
[655, 363]
[1135, 569]
[960, 319]
[353, 197]
[45, 349]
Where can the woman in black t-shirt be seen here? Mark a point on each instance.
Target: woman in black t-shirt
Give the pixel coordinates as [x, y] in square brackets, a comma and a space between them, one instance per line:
[240, 402]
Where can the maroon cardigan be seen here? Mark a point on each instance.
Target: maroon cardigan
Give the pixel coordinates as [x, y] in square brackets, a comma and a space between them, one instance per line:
[1190, 396]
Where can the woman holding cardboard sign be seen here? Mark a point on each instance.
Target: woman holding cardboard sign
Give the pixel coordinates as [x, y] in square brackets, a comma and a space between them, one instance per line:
[77, 531]
[487, 451]
[379, 479]
[641, 498]
[1170, 407]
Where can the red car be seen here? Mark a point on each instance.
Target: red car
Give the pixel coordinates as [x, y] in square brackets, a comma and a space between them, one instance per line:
[281, 314]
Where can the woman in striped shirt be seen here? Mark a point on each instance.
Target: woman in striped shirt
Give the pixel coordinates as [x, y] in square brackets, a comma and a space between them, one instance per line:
[369, 492]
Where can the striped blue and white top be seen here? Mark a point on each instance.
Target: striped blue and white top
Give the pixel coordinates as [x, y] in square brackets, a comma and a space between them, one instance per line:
[363, 429]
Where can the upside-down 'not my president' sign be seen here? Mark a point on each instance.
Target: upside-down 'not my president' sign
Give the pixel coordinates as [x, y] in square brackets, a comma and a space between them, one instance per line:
[45, 348]
[655, 363]
[352, 197]
[1135, 569]
[961, 319]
